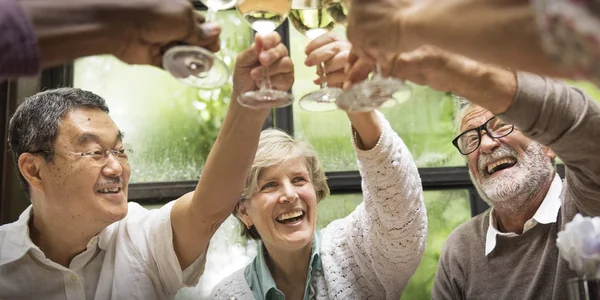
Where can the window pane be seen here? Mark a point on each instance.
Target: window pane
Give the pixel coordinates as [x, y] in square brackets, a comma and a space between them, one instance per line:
[170, 126]
[424, 121]
[445, 210]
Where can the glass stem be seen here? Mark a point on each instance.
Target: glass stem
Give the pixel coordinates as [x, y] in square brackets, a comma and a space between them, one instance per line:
[322, 75]
[265, 84]
[378, 69]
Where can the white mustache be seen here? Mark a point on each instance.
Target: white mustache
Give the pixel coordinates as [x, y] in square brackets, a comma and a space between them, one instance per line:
[500, 152]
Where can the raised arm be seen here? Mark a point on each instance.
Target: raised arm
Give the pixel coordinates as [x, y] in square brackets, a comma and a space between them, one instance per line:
[196, 216]
[548, 111]
[57, 31]
[568, 121]
[383, 240]
[504, 32]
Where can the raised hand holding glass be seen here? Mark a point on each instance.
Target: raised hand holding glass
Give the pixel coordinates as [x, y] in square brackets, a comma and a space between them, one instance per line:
[265, 16]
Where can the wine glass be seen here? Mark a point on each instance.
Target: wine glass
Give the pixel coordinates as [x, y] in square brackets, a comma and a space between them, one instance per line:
[196, 66]
[311, 18]
[265, 16]
[374, 92]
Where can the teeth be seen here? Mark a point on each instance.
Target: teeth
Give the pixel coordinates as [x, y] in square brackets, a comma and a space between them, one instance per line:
[113, 190]
[289, 215]
[493, 165]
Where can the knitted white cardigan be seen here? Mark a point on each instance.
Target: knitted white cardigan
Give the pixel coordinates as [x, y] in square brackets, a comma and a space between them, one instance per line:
[371, 253]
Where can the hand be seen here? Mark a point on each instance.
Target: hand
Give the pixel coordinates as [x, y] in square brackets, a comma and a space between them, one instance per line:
[375, 27]
[267, 51]
[330, 53]
[161, 24]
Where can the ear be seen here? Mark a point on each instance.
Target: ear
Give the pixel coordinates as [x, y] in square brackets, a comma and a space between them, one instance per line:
[242, 212]
[29, 165]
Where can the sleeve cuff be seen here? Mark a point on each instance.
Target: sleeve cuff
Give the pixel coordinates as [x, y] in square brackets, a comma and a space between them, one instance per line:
[528, 102]
[384, 142]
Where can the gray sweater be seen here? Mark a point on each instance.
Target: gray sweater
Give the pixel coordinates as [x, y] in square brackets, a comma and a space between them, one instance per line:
[528, 266]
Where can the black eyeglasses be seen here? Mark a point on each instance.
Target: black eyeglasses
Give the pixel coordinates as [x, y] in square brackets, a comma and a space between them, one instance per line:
[469, 141]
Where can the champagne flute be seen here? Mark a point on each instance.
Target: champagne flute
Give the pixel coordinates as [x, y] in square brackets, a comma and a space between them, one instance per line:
[311, 18]
[265, 16]
[374, 92]
[196, 66]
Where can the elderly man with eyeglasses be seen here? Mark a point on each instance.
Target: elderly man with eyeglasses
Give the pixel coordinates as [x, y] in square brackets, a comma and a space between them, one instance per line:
[80, 238]
[510, 133]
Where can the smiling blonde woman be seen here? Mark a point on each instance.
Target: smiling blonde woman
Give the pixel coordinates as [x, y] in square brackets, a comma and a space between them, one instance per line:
[370, 254]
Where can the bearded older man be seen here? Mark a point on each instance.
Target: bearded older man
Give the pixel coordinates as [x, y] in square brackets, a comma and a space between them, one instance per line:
[510, 133]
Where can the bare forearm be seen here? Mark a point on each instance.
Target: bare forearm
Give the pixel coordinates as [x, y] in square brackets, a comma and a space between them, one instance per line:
[224, 175]
[67, 29]
[503, 32]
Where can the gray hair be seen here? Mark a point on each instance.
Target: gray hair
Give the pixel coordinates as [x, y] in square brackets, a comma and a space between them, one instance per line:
[274, 148]
[34, 126]
[462, 107]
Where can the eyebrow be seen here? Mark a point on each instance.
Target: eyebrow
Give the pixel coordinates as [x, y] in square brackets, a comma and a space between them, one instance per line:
[87, 136]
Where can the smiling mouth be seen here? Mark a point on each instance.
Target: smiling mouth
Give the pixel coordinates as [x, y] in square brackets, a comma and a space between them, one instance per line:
[110, 191]
[500, 165]
[290, 217]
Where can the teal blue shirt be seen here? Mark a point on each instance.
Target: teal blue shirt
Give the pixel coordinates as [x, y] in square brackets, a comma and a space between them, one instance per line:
[261, 282]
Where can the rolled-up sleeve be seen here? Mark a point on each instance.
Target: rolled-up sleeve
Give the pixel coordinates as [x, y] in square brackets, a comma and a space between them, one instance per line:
[19, 54]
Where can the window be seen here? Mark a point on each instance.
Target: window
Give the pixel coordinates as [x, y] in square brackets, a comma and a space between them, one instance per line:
[170, 126]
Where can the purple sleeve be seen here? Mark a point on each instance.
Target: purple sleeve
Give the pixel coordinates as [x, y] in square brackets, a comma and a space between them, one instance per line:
[19, 54]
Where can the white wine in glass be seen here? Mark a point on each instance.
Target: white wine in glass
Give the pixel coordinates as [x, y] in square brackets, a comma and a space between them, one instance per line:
[265, 16]
[311, 18]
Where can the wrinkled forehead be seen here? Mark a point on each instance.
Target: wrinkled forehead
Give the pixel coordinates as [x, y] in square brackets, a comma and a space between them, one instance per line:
[474, 117]
[85, 125]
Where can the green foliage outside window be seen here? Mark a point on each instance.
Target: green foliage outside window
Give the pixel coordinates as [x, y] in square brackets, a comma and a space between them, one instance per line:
[170, 126]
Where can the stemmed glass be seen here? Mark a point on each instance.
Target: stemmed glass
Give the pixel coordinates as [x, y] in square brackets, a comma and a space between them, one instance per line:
[196, 66]
[374, 92]
[265, 16]
[311, 18]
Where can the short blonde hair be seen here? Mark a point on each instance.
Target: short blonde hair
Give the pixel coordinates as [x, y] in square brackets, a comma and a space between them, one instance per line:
[274, 148]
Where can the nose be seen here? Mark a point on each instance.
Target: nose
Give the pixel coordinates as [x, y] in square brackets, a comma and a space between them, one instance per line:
[288, 194]
[112, 167]
[488, 144]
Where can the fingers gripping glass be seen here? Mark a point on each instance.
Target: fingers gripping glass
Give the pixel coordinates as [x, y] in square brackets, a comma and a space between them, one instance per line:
[468, 141]
[98, 157]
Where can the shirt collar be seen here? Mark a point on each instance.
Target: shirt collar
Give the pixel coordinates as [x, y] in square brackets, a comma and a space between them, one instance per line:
[14, 238]
[259, 277]
[547, 213]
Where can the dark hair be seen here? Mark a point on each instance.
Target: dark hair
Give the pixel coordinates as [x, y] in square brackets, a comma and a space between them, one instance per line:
[34, 126]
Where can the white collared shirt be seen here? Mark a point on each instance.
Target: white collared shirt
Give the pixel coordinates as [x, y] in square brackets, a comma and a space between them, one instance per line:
[130, 259]
[547, 213]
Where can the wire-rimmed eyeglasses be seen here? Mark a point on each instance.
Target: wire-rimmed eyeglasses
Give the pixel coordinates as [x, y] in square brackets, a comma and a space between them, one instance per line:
[97, 157]
[468, 141]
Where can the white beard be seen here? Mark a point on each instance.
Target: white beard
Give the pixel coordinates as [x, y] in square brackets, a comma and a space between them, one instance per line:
[513, 189]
